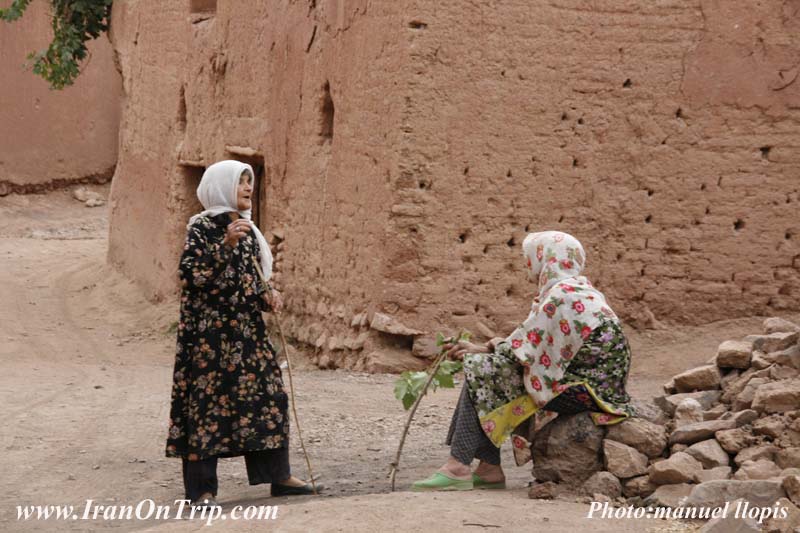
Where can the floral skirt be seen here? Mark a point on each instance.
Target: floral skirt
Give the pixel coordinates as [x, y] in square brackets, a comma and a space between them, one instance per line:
[595, 381]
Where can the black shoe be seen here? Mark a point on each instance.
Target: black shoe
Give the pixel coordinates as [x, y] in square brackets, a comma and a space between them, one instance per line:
[276, 489]
[207, 502]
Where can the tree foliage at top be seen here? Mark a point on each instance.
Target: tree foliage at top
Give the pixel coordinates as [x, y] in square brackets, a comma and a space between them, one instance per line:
[75, 22]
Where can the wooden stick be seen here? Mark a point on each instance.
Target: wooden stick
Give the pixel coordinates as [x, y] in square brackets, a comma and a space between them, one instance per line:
[395, 465]
[291, 383]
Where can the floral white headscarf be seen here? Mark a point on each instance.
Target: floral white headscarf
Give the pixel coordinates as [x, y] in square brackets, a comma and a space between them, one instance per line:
[562, 316]
[218, 194]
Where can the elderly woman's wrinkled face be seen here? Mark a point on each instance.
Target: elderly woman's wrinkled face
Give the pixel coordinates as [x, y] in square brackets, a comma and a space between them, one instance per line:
[244, 192]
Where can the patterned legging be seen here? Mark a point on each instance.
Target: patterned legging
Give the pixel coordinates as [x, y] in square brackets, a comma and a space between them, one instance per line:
[466, 438]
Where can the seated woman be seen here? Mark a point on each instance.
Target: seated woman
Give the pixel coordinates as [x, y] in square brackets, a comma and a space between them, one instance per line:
[570, 355]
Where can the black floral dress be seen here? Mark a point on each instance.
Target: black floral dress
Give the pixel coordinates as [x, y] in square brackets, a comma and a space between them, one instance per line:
[227, 394]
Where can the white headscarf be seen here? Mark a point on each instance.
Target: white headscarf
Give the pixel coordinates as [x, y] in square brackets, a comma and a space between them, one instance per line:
[218, 193]
[563, 315]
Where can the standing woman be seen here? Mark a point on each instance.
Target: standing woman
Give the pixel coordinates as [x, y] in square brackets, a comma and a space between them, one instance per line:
[228, 397]
[570, 355]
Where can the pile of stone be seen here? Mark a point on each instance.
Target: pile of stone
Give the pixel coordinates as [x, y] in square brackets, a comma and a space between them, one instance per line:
[724, 431]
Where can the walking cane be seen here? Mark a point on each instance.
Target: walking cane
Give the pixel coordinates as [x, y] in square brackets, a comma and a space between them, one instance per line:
[291, 383]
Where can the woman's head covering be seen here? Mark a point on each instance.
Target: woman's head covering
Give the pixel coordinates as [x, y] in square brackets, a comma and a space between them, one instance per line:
[553, 256]
[218, 194]
[562, 316]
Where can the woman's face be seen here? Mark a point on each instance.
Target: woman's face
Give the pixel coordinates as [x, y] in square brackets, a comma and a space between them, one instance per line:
[244, 192]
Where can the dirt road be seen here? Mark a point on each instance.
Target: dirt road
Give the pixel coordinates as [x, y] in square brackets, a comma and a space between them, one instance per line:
[86, 370]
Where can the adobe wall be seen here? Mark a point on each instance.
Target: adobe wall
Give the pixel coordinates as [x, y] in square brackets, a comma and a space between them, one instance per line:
[311, 91]
[52, 137]
[664, 135]
[409, 146]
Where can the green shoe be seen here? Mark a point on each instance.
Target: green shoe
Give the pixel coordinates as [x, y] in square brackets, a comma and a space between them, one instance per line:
[479, 483]
[439, 481]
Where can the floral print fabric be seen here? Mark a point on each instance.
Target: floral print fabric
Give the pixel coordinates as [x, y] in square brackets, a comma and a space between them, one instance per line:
[594, 380]
[227, 395]
[563, 315]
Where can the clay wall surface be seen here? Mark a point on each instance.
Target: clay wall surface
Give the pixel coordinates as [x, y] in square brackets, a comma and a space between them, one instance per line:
[664, 135]
[409, 146]
[309, 92]
[52, 137]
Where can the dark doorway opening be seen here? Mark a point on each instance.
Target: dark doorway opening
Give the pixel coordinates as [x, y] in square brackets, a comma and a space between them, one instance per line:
[192, 175]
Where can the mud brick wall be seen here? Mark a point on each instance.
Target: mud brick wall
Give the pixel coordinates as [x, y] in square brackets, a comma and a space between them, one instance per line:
[407, 147]
[51, 138]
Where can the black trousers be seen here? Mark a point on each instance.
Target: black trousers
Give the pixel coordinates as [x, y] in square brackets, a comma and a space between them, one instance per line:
[263, 466]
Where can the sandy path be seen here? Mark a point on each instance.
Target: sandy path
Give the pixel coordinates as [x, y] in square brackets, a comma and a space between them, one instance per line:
[85, 388]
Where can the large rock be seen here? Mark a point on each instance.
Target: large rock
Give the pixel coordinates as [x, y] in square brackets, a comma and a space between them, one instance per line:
[744, 399]
[791, 484]
[764, 451]
[670, 402]
[544, 491]
[778, 372]
[689, 411]
[698, 379]
[731, 523]
[709, 453]
[715, 412]
[762, 493]
[784, 524]
[742, 418]
[759, 361]
[646, 437]
[788, 458]
[568, 449]
[737, 385]
[679, 468]
[700, 431]
[649, 411]
[720, 472]
[779, 325]
[391, 325]
[735, 440]
[789, 357]
[622, 460]
[734, 354]
[638, 486]
[669, 495]
[772, 426]
[425, 347]
[603, 483]
[773, 342]
[777, 397]
[761, 469]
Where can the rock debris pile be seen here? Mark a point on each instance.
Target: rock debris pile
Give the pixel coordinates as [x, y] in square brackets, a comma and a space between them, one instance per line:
[725, 431]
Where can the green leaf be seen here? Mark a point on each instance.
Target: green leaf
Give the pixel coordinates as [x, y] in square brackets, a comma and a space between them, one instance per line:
[439, 339]
[445, 380]
[408, 401]
[401, 387]
[450, 367]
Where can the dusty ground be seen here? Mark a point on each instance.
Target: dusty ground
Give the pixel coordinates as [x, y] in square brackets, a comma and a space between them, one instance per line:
[85, 388]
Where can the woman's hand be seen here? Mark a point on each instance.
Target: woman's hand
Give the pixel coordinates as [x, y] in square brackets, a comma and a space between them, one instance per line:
[491, 345]
[274, 300]
[235, 231]
[458, 349]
